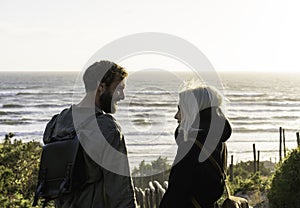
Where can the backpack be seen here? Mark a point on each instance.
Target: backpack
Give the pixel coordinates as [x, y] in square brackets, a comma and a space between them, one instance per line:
[62, 167]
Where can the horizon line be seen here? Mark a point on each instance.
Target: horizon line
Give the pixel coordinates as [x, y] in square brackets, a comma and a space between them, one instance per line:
[218, 71]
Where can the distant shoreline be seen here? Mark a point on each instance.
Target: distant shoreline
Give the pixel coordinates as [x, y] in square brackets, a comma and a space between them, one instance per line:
[175, 71]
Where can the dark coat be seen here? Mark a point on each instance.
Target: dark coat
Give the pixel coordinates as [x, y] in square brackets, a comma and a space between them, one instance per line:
[190, 178]
[103, 189]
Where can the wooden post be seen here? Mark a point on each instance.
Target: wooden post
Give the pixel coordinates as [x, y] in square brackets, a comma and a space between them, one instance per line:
[152, 194]
[254, 161]
[142, 177]
[258, 154]
[280, 143]
[147, 198]
[298, 139]
[143, 199]
[165, 185]
[283, 137]
[160, 191]
[231, 169]
[139, 197]
[152, 173]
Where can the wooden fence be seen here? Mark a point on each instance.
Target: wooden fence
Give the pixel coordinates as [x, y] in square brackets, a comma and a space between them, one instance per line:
[151, 196]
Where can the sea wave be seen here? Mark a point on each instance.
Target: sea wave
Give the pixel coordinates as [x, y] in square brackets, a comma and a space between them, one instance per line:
[8, 94]
[50, 105]
[14, 122]
[143, 122]
[251, 122]
[248, 118]
[271, 110]
[150, 92]
[254, 130]
[32, 133]
[145, 115]
[140, 110]
[147, 144]
[259, 119]
[45, 93]
[244, 94]
[287, 117]
[14, 112]
[249, 151]
[250, 140]
[254, 104]
[265, 99]
[12, 106]
[147, 133]
[153, 104]
[3, 113]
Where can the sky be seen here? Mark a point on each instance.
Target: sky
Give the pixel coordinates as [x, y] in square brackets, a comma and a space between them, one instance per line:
[235, 35]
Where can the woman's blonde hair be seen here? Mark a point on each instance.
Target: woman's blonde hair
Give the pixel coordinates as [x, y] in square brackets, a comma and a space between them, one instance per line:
[193, 98]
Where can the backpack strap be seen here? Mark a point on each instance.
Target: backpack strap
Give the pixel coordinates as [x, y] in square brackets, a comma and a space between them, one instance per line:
[195, 203]
[216, 165]
[212, 160]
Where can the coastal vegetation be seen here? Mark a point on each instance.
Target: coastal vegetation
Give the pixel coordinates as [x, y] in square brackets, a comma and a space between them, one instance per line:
[19, 163]
[285, 186]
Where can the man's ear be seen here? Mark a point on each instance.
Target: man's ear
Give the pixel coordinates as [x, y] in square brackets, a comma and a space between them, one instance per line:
[101, 88]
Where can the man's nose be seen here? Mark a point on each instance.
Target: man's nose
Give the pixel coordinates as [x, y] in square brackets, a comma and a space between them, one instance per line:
[121, 95]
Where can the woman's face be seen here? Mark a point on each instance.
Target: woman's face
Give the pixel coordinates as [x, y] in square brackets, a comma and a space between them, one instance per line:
[178, 115]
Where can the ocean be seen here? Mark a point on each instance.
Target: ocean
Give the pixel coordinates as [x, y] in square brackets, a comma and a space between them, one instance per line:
[258, 104]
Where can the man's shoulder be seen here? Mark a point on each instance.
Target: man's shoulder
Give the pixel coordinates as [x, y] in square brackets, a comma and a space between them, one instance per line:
[107, 118]
[112, 132]
[108, 122]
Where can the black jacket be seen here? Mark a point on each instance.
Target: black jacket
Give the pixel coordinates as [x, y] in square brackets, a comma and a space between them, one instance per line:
[190, 178]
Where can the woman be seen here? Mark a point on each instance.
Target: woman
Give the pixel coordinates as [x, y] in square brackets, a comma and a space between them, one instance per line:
[194, 180]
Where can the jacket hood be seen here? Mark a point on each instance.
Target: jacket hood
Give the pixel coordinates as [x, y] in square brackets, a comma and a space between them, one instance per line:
[59, 126]
[213, 118]
[62, 125]
[211, 121]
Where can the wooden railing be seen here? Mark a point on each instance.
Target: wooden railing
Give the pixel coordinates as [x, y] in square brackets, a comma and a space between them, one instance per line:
[151, 196]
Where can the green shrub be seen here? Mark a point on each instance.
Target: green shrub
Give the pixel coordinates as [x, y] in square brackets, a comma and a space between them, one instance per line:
[19, 164]
[245, 169]
[157, 170]
[255, 183]
[285, 187]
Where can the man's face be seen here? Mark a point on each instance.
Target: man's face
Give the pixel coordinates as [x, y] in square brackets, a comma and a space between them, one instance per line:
[114, 93]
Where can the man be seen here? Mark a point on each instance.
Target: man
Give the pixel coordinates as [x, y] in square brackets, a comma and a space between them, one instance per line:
[105, 156]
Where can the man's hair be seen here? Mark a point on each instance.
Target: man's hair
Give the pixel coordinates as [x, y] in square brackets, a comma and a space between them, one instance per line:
[102, 72]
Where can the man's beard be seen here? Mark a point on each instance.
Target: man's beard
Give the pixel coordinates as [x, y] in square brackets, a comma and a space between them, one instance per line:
[107, 104]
